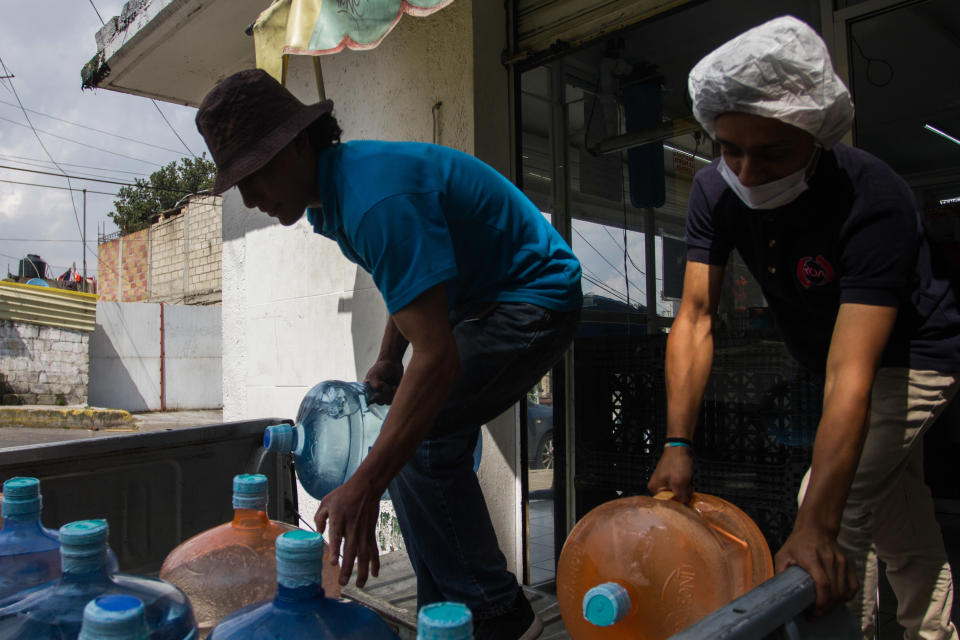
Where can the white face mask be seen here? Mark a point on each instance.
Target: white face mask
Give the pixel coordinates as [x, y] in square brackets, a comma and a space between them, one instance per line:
[772, 194]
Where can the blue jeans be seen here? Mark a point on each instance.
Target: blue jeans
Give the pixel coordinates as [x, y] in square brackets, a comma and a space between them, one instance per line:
[504, 351]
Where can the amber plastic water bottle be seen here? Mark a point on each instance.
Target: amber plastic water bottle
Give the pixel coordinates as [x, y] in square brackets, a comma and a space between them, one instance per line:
[232, 565]
[648, 567]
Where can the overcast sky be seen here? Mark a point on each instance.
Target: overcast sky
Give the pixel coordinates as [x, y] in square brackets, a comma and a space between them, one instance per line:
[44, 45]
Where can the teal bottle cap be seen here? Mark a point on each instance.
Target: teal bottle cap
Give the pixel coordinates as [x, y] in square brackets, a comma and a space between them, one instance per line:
[21, 496]
[278, 438]
[250, 491]
[606, 604]
[299, 558]
[83, 546]
[114, 617]
[445, 621]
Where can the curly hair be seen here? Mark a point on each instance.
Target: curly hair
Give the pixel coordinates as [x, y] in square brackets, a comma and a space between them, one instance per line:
[324, 132]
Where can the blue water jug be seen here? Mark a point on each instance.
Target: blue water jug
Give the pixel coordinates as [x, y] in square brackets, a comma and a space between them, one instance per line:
[300, 609]
[55, 610]
[29, 552]
[336, 426]
[445, 621]
[114, 617]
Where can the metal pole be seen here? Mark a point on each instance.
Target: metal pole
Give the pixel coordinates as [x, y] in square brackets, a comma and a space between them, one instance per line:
[759, 612]
[84, 240]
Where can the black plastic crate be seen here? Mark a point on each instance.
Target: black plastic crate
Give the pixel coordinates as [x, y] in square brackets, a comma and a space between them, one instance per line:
[753, 440]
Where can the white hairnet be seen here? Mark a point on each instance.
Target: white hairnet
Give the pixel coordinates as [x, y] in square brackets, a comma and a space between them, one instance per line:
[780, 69]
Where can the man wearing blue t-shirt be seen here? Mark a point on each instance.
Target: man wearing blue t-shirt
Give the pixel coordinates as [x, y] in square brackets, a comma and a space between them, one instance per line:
[476, 281]
[833, 237]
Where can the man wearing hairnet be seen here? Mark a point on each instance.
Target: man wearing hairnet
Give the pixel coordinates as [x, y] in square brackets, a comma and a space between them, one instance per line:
[832, 235]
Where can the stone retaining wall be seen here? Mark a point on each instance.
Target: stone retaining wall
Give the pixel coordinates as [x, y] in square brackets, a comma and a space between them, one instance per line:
[43, 365]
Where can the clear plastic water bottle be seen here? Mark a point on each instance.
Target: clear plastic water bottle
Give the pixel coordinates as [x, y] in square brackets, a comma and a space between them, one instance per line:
[54, 610]
[232, 565]
[29, 552]
[336, 426]
[300, 609]
[335, 429]
[445, 621]
[115, 617]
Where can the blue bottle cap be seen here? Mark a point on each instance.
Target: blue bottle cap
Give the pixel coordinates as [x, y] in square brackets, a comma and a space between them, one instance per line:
[445, 621]
[21, 496]
[299, 558]
[278, 438]
[606, 604]
[114, 617]
[83, 545]
[250, 491]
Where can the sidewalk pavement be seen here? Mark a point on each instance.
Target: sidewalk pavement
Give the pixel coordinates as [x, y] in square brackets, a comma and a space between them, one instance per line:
[101, 419]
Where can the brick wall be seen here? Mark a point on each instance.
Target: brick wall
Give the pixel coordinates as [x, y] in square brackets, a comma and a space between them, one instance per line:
[43, 365]
[176, 260]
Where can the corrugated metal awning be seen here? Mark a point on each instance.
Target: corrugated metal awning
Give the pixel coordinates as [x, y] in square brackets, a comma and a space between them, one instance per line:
[48, 306]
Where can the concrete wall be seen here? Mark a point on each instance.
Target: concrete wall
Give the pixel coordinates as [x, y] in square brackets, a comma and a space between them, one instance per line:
[42, 365]
[176, 260]
[185, 254]
[295, 311]
[127, 357]
[124, 265]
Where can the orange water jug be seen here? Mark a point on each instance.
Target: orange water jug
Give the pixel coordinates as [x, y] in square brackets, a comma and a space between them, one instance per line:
[645, 568]
[232, 565]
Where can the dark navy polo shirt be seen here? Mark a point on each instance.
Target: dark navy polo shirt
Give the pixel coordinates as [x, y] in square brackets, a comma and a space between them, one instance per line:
[853, 237]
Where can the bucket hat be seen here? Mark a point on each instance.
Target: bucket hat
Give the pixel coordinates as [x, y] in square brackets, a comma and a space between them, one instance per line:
[246, 119]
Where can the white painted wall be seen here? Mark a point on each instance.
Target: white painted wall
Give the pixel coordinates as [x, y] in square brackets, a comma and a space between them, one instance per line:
[295, 311]
[192, 344]
[125, 354]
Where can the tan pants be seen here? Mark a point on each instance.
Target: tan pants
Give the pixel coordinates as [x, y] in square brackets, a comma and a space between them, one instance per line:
[890, 514]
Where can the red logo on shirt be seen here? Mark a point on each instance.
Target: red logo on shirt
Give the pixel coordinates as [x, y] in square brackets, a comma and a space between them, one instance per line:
[814, 271]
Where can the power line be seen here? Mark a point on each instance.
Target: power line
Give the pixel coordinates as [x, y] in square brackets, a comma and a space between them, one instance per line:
[85, 144]
[36, 240]
[89, 128]
[42, 163]
[76, 216]
[124, 184]
[97, 12]
[79, 175]
[172, 129]
[50, 186]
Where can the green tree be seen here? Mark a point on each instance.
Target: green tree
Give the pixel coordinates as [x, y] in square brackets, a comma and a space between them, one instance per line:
[134, 205]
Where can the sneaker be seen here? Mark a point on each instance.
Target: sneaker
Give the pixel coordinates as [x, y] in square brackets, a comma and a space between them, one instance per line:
[519, 622]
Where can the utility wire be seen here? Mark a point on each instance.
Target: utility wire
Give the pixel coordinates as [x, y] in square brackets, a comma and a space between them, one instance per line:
[76, 216]
[43, 163]
[50, 186]
[82, 175]
[87, 145]
[152, 100]
[172, 129]
[125, 184]
[97, 12]
[89, 128]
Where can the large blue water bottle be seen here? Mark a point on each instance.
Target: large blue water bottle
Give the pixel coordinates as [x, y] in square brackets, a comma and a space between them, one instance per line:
[54, 610]
[300, 609]
[336, 426]
[29, 552]
[114, 617]
[445, 621]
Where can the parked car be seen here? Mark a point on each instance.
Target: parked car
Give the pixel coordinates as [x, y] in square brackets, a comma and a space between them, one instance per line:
[539, 435]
